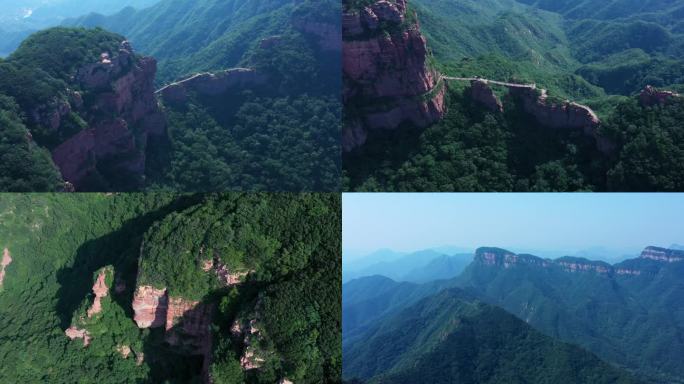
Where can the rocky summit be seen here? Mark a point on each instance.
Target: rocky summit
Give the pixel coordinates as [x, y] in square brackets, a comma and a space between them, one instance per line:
[388, 80]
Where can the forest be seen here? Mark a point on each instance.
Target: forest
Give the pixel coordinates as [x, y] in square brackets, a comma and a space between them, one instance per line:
[289, 244]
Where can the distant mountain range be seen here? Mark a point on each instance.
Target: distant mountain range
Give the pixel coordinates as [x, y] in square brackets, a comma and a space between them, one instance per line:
[630, 314]
[420, 266]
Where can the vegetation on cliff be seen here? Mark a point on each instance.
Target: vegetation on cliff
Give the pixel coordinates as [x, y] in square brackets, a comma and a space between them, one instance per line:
[59, 244]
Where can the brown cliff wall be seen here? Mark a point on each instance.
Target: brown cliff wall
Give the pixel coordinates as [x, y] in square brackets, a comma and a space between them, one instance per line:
[121, 113]
[387, 78]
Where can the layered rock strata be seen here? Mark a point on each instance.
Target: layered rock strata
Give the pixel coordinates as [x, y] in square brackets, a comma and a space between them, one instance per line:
[121, 113]
[650, 262]
[211, 84]
[387, 78]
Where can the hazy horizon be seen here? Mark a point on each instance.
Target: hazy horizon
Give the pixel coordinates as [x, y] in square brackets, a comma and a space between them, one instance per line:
[602, 226]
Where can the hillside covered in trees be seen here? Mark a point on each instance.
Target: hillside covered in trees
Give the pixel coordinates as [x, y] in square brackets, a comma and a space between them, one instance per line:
[247, 287]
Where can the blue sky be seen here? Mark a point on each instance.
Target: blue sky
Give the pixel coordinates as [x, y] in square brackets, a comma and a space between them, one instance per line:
[554, 221]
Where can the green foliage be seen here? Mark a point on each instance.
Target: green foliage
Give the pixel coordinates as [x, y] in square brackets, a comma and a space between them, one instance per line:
[59, 243]
[452, 337]
[268, 143]
[24, 167]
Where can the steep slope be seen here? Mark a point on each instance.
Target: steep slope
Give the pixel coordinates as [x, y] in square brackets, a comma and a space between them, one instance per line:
[255, 84]
[453, 337]
[388, 77]
[89, 99]
[628, 313]
[150, 288]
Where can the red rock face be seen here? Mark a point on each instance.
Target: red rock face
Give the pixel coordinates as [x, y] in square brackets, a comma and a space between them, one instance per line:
[76, 333]
[122, 97]
[651, 96]
[6, 260]
[482, 93]
[387, 80]
[150, 306]
[100, 289]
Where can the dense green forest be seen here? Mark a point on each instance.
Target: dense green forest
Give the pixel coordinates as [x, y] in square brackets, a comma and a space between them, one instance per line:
[632, 320]
[599, 57]
[283, 136]
[453, 337]
[59, 243]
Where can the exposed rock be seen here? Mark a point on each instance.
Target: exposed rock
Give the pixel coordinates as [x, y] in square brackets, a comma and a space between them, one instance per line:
[211, 84]
[662, 254]
[482, 93]
[121, 112]
[635, 267]
[76, 333]
[100, 289]
[139, 358]
[284, 381]
[387, 79]
[650, 96]
[124, 350]
[119, 285]
[150, 306]
[6, 260]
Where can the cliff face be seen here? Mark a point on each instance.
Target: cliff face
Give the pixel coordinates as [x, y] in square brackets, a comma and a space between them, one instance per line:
[100, 289]
[6, 260]
[121, 113]
[650, 262]
[651, 96]
[387, 79]
[556, 115]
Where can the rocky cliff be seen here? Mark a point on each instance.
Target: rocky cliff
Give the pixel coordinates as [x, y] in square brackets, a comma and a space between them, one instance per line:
[387, 78]
[651, 261]
[115, 98]
[552, 114]
[6, 261]
[650, 96]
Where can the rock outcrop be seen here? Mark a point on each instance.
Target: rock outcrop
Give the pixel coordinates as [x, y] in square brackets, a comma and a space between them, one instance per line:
[650, 96]
[482, 93]
[662, 254]
[100, 289]
[121, 114]
[211, 84]
[77, 333]
[387, 78]
[6, 261]
[649, 263]
[150, 306]
[552, 114]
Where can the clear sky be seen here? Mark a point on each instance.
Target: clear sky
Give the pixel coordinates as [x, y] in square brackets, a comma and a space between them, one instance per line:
[554, 221]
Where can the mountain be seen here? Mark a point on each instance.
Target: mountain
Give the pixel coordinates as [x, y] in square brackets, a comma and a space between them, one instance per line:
[270, 124]
[628, 313]
[453, 337]
[20, 18]
[157, 287]
[540, 96]
[421, 266]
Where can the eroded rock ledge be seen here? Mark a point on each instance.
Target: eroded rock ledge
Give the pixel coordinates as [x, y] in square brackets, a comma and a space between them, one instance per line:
[387, 78]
